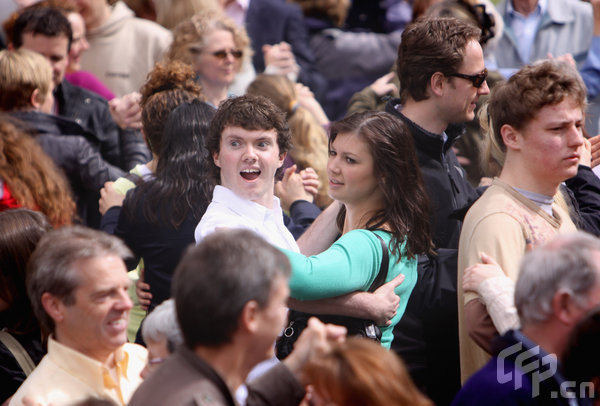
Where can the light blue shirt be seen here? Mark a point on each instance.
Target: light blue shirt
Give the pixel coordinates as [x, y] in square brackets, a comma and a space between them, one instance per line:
[525, 27]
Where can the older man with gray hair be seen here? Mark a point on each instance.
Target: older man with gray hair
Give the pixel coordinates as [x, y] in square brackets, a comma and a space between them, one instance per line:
[77, 283]
[558, 283]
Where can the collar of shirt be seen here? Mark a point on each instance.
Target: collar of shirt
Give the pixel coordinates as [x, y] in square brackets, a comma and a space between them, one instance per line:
[268, 223]
[87, 369]
[236, 10]
[540, 8]
[245, 207]
[524, 28]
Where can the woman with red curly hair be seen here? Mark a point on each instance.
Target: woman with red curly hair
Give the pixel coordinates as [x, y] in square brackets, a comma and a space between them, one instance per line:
[29, 177]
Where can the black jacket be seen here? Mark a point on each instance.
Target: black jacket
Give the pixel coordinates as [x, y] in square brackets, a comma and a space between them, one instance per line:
[68, 146]
[427, 335]
[445, 180]
[122, 148]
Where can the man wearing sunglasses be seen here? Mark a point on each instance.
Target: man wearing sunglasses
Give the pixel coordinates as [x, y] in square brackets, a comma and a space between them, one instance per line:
[442, 75]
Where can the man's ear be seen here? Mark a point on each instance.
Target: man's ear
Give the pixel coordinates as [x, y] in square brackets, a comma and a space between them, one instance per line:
[282, 158]
[437, 82]
[53, 306]
[511, 137]
[35, 99]
[249, 317]
[565, 308]
[215, 156]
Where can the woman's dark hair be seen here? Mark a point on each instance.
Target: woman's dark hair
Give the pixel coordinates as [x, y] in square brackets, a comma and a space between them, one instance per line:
[180, 184]
[406, 206]
[20, 231]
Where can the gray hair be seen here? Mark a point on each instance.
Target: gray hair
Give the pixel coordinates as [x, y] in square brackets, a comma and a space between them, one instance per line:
[53, 267]
[218, 277]
[161, 324]
[565, 264]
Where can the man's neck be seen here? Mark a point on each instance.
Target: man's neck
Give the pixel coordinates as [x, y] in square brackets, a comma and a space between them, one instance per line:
[424, 113]
[516, 176]
[230, 363]
[548, 336]
[101, 19]
[524, 7]
[105, 358]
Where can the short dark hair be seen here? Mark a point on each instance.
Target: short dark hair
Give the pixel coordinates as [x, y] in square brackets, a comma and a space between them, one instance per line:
[250, 112]
[215, 279]
[47, 21]
[430, 45]
[52, 266]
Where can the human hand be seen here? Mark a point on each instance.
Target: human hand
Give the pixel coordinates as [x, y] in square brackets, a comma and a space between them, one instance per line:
[291, 188]
[383, 86]
[109, 197]
[595, 150]
[567, 58]
[478, 273]
[279, 59]
[126, 110]
[315, 341]
[142, 290]
[310, 181]
[385, 301]
[585, 153]
[306, 99]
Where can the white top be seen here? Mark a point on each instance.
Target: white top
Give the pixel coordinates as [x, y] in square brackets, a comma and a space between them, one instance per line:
[228, 210]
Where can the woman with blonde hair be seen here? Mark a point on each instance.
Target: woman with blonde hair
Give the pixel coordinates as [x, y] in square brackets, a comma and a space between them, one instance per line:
[308, 135]
[360, 372]
[214, 46]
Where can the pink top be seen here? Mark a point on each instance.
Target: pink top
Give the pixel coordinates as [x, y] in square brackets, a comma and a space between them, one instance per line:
[90, 82]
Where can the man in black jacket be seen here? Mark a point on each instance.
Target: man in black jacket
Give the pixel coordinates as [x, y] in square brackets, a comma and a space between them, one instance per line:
[26, 94]
[442, 74]
[47, 31]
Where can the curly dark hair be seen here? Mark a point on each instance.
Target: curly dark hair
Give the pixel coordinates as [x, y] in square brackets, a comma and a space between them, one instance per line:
[250, 112]
[406, 205]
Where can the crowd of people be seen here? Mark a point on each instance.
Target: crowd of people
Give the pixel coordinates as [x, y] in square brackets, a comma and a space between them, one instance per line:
[308, 202]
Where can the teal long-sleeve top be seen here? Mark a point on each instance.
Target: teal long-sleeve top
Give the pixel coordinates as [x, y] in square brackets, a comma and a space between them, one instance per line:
[351, 264]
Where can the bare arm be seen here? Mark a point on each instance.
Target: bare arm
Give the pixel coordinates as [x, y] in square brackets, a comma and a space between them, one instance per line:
[379, 306]
[322, 232]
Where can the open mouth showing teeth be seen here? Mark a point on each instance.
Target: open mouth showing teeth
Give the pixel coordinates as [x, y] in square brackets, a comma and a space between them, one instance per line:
[250, 174]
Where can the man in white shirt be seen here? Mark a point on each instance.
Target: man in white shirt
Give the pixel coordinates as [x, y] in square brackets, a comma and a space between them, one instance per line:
[248, 140]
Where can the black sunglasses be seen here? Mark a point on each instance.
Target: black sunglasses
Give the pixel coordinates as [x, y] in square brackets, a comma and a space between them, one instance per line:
[222, 53]
[477, 80]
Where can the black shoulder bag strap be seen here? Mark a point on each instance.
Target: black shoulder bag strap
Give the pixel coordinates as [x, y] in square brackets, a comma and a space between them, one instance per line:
[383, 268]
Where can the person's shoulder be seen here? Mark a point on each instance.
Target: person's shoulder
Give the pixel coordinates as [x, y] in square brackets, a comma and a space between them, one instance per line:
[78, 99]
[135, 350]
[579, 8]
[150, 29]
[484, 387]
[276, 6]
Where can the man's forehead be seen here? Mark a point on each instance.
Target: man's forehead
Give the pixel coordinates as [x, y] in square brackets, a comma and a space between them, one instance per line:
[44, 44]
[238, 131]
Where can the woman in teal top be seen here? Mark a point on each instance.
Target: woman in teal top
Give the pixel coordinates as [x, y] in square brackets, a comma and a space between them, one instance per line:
[373, 170]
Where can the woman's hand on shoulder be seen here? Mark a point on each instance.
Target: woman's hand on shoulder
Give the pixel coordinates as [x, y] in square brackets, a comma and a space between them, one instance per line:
[476, 274]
